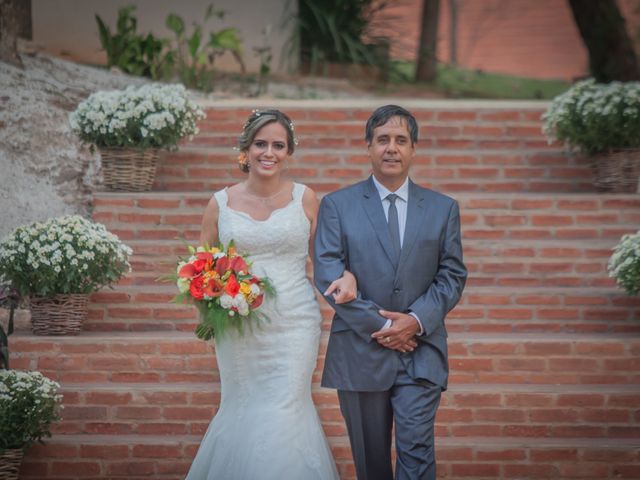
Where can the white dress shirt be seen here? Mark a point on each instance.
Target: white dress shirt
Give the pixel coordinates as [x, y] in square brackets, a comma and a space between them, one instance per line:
[401, 205]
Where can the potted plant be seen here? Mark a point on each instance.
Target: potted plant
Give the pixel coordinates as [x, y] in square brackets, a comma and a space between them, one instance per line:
[56, 264]
[624, 264]
[9, 298]
[602, 121]
[29, 403]
[130, 126]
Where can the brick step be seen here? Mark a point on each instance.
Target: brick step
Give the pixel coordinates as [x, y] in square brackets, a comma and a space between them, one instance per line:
[490, 410]
[512, 263]
[148, 306]
[209, 168]
[466, 146]
[170, 357]
[342, 126]
[75, 457]
[482, 458]
[167, 215]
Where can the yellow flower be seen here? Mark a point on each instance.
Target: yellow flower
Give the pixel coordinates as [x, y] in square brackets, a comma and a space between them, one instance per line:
[245, 288]
[211, 274]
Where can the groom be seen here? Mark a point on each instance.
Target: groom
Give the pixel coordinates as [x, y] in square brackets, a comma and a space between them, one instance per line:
[387, 352]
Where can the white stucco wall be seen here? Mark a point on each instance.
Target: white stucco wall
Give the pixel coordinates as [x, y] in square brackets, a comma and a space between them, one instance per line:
[68, 27]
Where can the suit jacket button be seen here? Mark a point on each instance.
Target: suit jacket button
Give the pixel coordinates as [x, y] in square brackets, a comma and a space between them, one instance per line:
[396, 290]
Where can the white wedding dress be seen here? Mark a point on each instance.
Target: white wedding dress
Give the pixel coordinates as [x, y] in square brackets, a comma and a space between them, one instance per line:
[267, 427]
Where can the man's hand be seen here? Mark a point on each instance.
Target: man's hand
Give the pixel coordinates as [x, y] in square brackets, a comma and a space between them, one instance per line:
[399, 336]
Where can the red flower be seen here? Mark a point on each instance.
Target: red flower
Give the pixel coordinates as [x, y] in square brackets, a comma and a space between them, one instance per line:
[239, 265]
[233, 287]
[222, 265]
[257, 302]
[196, 288]
[187, 271]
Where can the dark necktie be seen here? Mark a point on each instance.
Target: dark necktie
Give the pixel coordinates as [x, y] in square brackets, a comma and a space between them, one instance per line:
[394, 226]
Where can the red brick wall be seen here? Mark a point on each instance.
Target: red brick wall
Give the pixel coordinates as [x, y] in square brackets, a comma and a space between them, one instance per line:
[532, 38]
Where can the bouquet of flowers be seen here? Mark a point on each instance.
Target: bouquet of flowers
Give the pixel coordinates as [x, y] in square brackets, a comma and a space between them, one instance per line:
[151, 116]
[218, 280]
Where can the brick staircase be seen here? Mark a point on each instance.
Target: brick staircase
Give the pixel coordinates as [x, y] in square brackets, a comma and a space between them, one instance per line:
[544, 349]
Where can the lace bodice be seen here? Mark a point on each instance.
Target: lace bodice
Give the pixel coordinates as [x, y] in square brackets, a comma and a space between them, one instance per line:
[277, 246]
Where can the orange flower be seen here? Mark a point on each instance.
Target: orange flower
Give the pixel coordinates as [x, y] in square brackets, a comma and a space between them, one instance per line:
[213, 288]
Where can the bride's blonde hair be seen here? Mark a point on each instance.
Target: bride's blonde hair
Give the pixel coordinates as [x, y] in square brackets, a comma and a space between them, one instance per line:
[257, 120]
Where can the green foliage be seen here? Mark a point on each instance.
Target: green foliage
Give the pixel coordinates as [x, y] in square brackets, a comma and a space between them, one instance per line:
[67, 254]
[624, 264]
[189, 56]
[9, 298]
[28, 405]
[595, 117]
[457, 82]
[150, 116]
[193, 54]
[332, 31]
[265, 55]
[132, 52]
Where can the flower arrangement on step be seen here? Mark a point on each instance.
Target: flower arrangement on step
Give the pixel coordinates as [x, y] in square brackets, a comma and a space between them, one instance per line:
[219, 281]
[602, 121]
[130, 126]
[29, 404]
[624, 264]
[58, 263]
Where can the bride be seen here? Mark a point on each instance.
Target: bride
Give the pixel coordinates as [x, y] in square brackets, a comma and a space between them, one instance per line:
[267, 426]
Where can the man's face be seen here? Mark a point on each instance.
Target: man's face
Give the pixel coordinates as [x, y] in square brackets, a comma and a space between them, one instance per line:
[391, 152]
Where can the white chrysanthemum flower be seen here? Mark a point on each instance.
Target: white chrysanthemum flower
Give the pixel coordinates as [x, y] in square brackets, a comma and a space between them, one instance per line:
[226, 301]
[183, 284]
[46, 257]
[241, 304]
[162, 114]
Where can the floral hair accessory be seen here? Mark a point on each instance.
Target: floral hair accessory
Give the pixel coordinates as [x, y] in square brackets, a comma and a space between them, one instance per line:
[255, 114]
[242, 159]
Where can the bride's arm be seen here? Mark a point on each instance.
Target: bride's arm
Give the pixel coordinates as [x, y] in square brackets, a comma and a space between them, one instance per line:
[209, 228]
[310, 204]
[345, 288]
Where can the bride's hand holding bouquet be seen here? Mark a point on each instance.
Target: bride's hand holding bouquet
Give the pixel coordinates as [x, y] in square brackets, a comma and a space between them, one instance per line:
[219, 282]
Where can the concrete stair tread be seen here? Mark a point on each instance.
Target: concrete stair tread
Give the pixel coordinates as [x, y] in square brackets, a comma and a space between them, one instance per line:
[177, 336]
[476, 242]
[169, 287]
[570, 442]
[454, 388]
[555, 197]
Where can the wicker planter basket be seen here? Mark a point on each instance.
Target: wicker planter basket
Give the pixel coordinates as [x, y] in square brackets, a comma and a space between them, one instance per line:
[58, 315]
[10, 462]
[128, 169]
[617, 171]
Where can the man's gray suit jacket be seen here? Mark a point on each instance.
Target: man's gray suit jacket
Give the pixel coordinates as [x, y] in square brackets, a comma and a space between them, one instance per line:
[428, 280]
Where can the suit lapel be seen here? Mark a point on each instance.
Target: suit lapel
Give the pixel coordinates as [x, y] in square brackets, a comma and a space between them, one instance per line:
[415, 213]
[373, 208]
